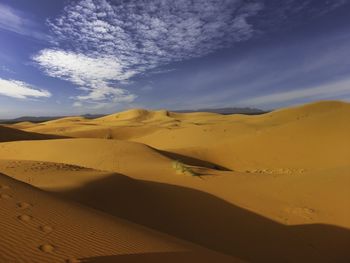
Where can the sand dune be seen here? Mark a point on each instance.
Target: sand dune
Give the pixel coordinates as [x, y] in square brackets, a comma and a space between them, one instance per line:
[195, 215]
[43, 228]
[265, 188]
[109, 155]
[24, 125]
[288, 128]
[310, 137]
[123, 125]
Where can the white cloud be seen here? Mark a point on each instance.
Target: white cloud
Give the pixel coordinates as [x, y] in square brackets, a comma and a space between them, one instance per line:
[21, 90]
[79, 68]
[16, 21]
[77, 104]
[328, 90]
[92, 74]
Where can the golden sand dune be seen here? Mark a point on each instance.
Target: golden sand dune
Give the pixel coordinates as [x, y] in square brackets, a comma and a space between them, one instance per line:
[191, 214]
[73, 119]
[109, 155]
[308, 137]
[265, 188]
[135, 115]
[297, 138]
[122, 125]
[24, 125]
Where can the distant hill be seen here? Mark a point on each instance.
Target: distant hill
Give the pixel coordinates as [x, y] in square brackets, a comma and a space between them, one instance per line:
[45, 118]
[246, 111]
[226, 111]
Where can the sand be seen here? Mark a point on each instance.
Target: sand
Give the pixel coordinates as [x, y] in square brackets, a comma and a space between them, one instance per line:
[39, 227]
[266, 188]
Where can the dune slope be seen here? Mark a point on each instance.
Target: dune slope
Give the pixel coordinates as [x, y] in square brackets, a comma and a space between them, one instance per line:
[198, 216]
[109, 155]
[43, 228]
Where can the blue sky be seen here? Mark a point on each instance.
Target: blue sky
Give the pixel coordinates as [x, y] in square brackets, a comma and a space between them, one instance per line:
[101, 56]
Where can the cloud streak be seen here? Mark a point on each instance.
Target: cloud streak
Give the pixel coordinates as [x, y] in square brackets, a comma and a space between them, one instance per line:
[328, 90]
[21, 90]
[18, 22]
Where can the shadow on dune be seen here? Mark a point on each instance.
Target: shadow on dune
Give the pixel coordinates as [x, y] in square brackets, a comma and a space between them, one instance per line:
[192, 161]
[212, 222]
[167, 257]
[12, 134]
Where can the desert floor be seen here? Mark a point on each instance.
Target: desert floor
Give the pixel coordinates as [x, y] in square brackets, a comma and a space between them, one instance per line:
[158, 186]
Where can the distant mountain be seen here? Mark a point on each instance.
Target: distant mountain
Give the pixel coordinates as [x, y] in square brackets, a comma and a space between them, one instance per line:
[30, 118]
[45, 118]
[93, 116]
[247, 111]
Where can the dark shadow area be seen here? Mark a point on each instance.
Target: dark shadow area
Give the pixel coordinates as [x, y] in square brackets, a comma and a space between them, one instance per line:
[10, 134]
[192, 161]
[212, 222]
[166, 257]
[228, 111]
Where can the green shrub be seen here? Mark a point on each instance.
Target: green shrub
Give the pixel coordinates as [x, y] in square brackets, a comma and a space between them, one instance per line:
[182, 168]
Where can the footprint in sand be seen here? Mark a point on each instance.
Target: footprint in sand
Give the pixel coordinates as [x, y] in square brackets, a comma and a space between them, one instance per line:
[24, 218]
[46, 229]
[5, 196]
[47, 248]
[23, 205]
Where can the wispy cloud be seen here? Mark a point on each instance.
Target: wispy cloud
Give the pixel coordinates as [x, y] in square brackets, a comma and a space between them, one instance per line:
[16, 21]
[100, 44]
[145, 34]
[327, 90]
[109, 42]
[21, 90]
[6, 69]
